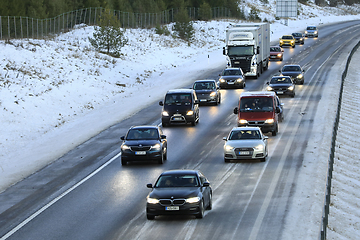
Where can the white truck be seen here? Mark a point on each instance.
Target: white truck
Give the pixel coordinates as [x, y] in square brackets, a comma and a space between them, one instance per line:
[248, 47]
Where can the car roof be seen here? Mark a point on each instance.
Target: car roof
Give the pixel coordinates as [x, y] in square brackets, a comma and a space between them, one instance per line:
[180, 90]
[232, 68]
[258, 93]
[245, 128]
[280, 77]
[287, 65]
[145, 126]
[205, 80]
[287, 35]
[180, 171]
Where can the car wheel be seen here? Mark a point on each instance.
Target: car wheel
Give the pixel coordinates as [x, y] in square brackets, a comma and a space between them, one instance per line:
[274, 133]
[293, 95]
[243, 86]
[202, 210]
[226, 160]
[123, 162]
[150, 217]
[161, 159]
[165, 155]
[263, 159]
[293, 46]
[219, 101]
[302, 82]
[209, 207]
[164, 124]
[281, 58]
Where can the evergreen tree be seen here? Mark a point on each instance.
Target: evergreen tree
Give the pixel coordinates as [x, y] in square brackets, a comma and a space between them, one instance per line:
[122, 5]
[108, 36]
[205, 12]
[183, 26]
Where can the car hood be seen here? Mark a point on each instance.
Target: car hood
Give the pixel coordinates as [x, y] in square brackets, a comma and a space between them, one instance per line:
[244, 143]
[141, 142]
[291, 73]
[274, 53]
[256, 116]
[230, 77]
[279, 85]
[174, 192]
[207, 91]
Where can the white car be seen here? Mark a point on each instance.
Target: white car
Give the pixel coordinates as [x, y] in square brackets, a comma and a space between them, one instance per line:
[245, 143]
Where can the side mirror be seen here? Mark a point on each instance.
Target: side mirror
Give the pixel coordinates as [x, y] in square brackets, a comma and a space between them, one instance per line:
[161, 103]
[236, 110]
[225, 138]
[163, 136]
[122, 137]
[277, 110]
[206, 184]
[267, 83]
[258, 50]
[303, 70]
[196, 101]
[149, 185]
[224, 51]
[266, 137]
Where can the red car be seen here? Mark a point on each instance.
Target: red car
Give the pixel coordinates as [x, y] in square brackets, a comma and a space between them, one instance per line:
[276, 53]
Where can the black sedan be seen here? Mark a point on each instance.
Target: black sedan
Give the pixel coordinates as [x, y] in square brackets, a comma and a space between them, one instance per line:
[207, 91]
[144, 143]
[299, 37]
[294, 71]
[232, 78]
[281, 85]
[179, 192]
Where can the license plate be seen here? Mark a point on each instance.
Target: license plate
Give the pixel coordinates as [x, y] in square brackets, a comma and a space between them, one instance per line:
[177, 115]
[272, 56]
[280, 92]
[172, 208]
[140, 153]
[244, 153]
[177, 119]
[202, 100]
[236, 62]
[230, 82]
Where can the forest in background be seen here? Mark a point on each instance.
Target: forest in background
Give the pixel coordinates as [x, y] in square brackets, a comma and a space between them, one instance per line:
[51, 8]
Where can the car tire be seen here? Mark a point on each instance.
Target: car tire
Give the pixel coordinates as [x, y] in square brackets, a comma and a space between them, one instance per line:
[202, 210]
[263, 159]
[165, 155]
[150, 217]
[164, 124]
[302, 82]
[219, 101]
[226, 160]
[123, 162]
[209, 207]
[274, 133]
[281, 58]
[161, 159]
[293, 95]
[293, 46]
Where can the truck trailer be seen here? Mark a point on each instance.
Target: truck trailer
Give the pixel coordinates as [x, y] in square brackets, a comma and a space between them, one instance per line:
[248, 47]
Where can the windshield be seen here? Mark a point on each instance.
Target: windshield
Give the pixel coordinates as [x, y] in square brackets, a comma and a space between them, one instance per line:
[261, 104]
[231, 72]
[297, 34]
[311, 28]
[244, 134]
[177, 180]
[204, 86]
[280, 80]
[275, 49]
[287, 37]
[178, 99]
[143, 134]
[241, 51]
[291, 69]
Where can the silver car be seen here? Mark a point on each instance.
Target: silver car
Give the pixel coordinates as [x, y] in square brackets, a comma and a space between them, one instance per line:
[245, 143]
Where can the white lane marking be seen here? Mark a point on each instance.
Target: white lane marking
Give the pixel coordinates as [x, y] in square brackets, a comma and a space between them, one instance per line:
[38, 212]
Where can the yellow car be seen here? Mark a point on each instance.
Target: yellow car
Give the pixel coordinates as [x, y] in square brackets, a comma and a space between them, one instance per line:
[287, 40]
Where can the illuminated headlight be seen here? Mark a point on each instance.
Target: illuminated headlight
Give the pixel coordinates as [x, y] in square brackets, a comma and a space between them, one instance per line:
[315, 32]
[270, 120]
[125, 147]
[191, 112]
[165, 113]
[306, 32]
[279, 55]
[239, 79]
[292, 41]
[291, 88]
[300, 76]
[269, 88]
[193, 200]
[222, 80]
[281, 41]
[301, 39]
[259, 147]
[229, 148]
[243, 121]
[152, 200]
[212, 94]
[156, 146]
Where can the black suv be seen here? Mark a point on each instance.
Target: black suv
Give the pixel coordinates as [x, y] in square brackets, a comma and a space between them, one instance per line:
[144, 143]
[295, 72]
[180, 106]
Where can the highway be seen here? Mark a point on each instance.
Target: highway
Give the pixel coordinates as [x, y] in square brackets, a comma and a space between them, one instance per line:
[87, 194]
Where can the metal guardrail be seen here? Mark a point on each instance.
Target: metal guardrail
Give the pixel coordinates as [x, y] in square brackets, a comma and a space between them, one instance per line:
[14, 27]
[325, 213]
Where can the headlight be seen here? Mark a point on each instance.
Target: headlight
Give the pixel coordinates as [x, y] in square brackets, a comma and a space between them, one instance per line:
[156, 146]
[279, 55]
[292, 41]
[301, 39]
[281, 41]
[152, 200]
[239, 79]
[229, 148]
[291, 88]
[259, 147]
[315, 32]
[270, 120]
[269, 88]
[191, 112]
[222, 80]
[165, 113]
[125, 147]
[193, 200]
[243, 121]
[300, 76]
[212, 94]
[305, 31]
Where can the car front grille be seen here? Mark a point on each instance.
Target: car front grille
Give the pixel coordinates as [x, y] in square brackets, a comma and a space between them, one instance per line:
[172, 202]
[238, 151]
[142, 148]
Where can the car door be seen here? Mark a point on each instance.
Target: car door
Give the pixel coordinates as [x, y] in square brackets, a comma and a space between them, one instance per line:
[206, 191]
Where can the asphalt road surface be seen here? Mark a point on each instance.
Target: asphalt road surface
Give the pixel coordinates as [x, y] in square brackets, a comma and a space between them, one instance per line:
[87, 194]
